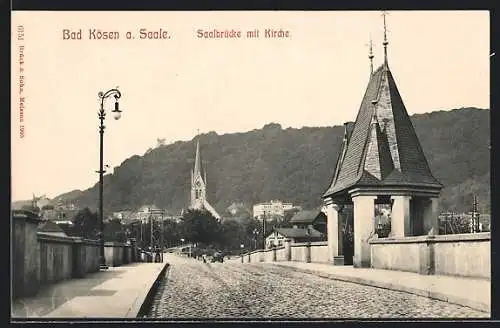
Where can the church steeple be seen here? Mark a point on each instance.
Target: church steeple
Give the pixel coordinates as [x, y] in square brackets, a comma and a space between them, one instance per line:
[199, 185]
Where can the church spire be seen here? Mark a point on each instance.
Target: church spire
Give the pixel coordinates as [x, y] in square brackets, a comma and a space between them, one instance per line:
[197, 161]
[385, 43]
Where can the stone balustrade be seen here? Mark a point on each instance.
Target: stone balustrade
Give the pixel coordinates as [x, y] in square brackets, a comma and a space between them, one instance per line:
[316, 252]
[301, 252]
[466, 255]
[40, 259]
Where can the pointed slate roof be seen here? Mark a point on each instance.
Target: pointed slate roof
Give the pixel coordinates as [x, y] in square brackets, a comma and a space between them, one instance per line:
[383, 148]
[197, 161]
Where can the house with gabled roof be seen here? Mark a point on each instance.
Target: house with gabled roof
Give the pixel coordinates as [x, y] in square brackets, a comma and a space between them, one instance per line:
[315, 219]
[278, 236]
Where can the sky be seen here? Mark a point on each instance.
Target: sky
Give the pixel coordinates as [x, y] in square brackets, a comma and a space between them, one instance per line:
[173, 87]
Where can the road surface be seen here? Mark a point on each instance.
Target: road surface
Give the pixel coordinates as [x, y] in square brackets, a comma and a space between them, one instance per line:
[193, 289]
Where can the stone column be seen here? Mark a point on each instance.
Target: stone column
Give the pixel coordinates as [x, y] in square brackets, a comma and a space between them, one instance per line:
[364, 212]
[400, 216]
[332, 226]
[431, 216]
[288, 250]
[340, 234]
[78, 258]
[133, 244]
[308, 252]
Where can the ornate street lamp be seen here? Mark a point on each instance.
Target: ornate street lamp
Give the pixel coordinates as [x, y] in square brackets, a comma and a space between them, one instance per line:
[102, 115]
[255, 236]
[242, 246]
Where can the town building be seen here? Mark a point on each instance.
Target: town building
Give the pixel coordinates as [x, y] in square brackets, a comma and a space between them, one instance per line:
[236, 209]
[279, 236]
[199, 187]
[273, 208]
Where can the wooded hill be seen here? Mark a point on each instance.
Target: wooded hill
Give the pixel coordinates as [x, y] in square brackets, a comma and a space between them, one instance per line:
[294, 165]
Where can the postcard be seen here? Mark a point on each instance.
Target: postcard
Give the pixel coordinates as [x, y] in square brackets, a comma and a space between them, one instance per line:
[221, 165]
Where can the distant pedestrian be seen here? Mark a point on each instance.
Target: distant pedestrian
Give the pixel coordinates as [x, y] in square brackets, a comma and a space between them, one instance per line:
[157, 255]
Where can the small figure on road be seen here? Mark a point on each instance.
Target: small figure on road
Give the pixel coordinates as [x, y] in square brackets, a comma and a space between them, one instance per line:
[157, 255]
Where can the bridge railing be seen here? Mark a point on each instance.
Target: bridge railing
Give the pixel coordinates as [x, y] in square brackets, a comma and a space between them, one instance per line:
[43, 258]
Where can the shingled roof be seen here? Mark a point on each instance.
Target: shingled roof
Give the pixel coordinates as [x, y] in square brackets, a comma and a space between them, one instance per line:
[383, 148]
[306, 216]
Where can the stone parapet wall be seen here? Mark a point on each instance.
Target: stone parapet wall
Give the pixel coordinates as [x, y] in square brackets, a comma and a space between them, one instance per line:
[299, 252]
[25, 261]
[268, 255]
[466, 255]
[281, 254]
[56, 258]
[256, 256]
[117, 254]
[319, 252]
[42, 258]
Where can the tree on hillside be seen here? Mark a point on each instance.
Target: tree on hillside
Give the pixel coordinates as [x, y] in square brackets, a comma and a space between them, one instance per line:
[86, 224]
[200, 227]
[232, 234]
[114, 231]
[296, 165]
[31, 208]
[285, 223]
[454, 224]
[171, 232]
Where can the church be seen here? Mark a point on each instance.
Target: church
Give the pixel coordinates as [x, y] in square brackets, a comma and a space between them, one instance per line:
[199, 187]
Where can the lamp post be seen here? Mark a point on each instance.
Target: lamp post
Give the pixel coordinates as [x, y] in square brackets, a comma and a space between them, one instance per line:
[241, 252]
[264, 231]
[308, 254]
[255, 236]
[102, 115]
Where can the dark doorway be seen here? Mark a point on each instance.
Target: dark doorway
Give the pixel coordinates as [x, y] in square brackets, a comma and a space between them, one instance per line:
[348, 234]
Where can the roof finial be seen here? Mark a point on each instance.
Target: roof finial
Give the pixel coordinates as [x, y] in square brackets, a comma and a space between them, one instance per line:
[370, 55]
[385, 43]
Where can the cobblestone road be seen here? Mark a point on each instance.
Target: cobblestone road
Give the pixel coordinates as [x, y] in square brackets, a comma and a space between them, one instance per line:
[193, 289]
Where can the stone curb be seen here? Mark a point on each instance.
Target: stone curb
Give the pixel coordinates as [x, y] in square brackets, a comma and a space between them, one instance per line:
[143, 301]
[394, 286]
